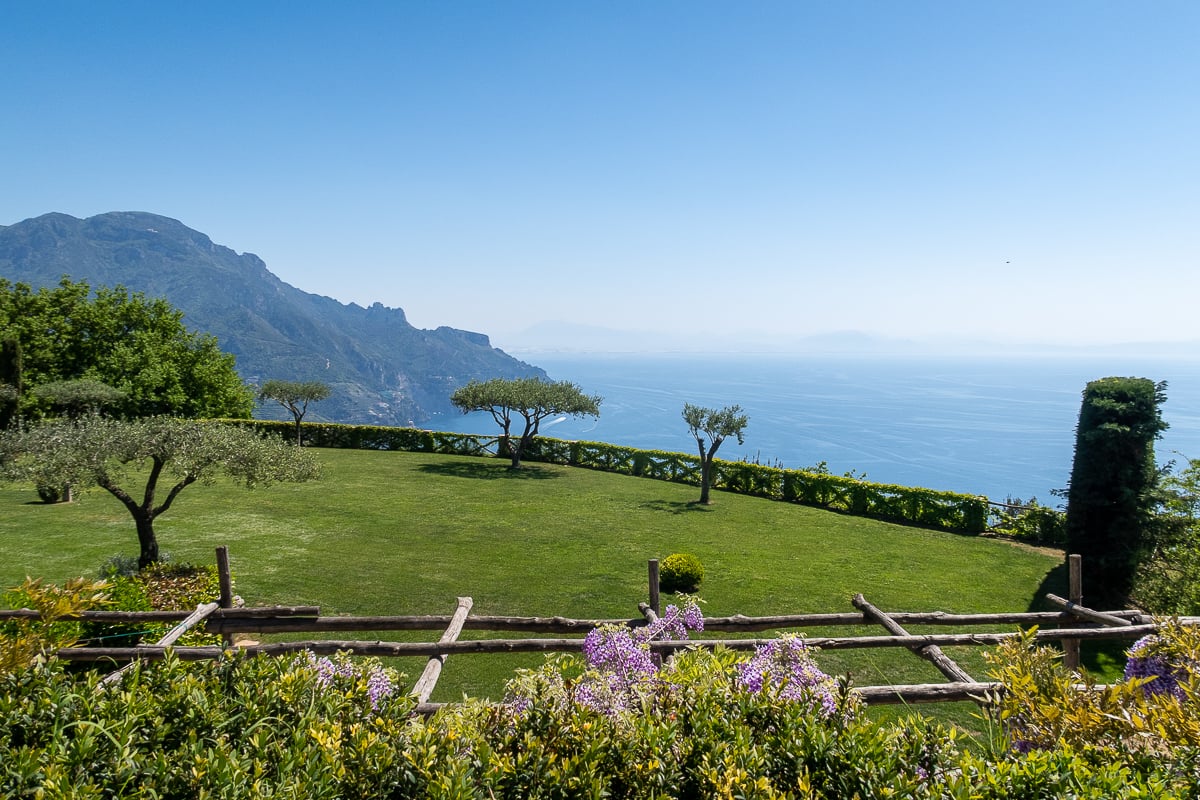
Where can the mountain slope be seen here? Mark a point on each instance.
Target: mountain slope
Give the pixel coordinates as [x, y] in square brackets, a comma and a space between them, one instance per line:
[381, 368]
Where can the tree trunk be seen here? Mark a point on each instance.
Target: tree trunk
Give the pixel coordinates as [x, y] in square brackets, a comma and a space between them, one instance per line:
[705, 467]
[147, 541]
[706, 458]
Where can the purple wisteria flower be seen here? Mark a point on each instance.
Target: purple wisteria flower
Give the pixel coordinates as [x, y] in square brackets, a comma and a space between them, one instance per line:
[379, 681]
[674, 624]
[622, 670]
[785, 667]
[614, 649]
[1147, 660]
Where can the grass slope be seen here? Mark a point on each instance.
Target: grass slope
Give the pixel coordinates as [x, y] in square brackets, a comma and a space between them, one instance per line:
[398, 533]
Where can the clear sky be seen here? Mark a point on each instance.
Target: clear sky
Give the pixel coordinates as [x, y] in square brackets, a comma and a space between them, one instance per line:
[1017, 171]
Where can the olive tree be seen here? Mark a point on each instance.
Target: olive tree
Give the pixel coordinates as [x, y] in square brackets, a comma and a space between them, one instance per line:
[126, 458]
[76, 397]
[294, 396]
[531, 399]
[710, 427]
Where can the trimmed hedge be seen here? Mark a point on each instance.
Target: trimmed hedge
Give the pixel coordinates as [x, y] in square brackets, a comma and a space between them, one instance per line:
[926, 507]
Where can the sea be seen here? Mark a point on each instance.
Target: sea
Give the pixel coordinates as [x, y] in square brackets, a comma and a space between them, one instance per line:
[1002, 427]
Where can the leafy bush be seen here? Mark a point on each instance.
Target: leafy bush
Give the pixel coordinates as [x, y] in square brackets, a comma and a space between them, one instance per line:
[1151, 715]
[158, 587]
[337, 728]
[1031, 522]
[680, 572]
[22, 641]
[238, 727]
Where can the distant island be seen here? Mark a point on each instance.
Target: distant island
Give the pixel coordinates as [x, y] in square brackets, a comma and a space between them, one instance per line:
[382, 369]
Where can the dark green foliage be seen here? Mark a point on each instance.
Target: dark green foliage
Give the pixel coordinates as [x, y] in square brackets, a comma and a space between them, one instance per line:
[75, 397]
[235, 728]
[10, 379]
[680, 572]
[262, 727]
[133, 344]
[1168, 579]
[1110, 504]
[159, 587]
[1031, 522]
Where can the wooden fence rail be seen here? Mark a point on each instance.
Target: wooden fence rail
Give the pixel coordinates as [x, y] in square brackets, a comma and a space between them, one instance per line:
[304, 619]
[1074, 623]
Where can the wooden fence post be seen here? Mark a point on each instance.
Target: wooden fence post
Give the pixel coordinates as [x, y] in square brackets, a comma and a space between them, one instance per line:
[224, 578]
[225, 582]
[653, 574]
[1075, 595]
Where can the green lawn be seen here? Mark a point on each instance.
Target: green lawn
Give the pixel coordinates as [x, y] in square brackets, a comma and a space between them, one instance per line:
[403, 533]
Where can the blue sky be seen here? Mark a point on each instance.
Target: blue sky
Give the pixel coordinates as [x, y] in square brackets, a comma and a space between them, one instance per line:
[1011, 171]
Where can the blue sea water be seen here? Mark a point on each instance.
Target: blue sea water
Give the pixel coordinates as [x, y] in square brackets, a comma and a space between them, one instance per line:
[996, 427]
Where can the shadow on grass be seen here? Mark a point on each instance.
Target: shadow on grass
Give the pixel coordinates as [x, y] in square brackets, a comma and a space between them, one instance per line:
[1055, 582]
[1104, 658]
[676, 507]
[489, 472]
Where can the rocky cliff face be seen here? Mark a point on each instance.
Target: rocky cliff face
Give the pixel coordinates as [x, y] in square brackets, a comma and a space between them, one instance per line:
[382, 369]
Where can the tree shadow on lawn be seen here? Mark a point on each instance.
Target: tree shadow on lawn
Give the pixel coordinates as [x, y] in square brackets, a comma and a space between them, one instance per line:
[676, 507]
[489, 472]
[1055, 582]
[1103, 657]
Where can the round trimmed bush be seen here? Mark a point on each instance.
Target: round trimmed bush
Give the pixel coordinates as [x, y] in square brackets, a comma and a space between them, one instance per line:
[680, 572]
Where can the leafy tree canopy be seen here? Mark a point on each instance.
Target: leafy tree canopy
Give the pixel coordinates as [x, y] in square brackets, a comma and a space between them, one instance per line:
[78, 396]
[117, 455]
[532, 399]
[136, 345]
[294, 396]
[710, 427]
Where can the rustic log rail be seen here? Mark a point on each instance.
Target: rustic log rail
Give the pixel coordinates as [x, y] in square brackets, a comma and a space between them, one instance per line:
[932, 652]
[430, 649]
[298, 619]
[1075, 623]
[172, 636]
[428, 680]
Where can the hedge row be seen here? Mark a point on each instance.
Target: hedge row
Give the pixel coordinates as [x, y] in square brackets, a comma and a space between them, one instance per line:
[946, 510]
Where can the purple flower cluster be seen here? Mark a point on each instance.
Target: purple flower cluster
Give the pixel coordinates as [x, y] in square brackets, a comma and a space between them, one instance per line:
[614, 649]
[1147, 660]
[674, 624]
[378, 680]
[622, 666]
[785, 667]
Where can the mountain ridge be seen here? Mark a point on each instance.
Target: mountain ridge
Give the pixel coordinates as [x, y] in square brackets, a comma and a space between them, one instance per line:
[381, 368]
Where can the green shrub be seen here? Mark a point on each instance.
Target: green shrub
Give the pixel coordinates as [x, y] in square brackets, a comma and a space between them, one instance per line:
[1031, 522]
[160, 587]
[22, 641]
[680, 572]
[316, 728]
[1045, 706]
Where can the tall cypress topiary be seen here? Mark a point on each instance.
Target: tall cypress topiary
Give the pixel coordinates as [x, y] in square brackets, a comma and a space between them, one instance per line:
[1110, 504]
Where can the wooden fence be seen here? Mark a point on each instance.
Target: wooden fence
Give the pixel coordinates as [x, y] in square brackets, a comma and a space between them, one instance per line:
[1071, 624]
